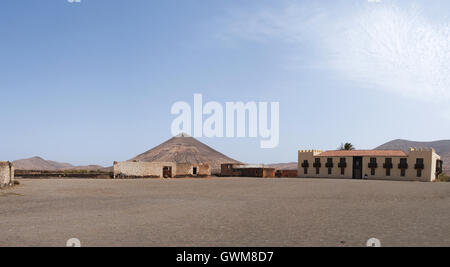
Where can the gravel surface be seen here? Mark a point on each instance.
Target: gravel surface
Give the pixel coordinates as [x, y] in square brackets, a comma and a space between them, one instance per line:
[225, 212]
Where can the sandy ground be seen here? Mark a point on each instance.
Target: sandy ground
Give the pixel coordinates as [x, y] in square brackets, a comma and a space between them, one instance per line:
[225, 212]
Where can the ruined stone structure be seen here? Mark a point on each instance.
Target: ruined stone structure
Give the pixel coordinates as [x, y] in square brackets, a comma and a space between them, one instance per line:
[185, 149]
[416, 165]
[6, 174]
[138, 169]
[241, 170]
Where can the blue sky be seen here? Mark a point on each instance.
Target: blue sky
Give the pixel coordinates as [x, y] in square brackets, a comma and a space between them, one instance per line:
[93, 82]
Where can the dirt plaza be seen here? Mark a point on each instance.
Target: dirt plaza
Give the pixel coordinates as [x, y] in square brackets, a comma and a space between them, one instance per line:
[224, 212]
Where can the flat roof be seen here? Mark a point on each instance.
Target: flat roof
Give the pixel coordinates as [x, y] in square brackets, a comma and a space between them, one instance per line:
[363, 153]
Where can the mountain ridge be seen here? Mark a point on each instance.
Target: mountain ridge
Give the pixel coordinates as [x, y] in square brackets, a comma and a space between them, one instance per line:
[39, 164]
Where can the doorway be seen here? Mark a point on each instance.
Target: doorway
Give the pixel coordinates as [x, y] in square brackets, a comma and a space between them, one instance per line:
[357, 167]
[194, 171]
[167, 172]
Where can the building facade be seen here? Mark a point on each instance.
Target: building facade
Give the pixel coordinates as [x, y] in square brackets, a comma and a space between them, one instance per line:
[242, 170]
[6, 174]
[138, 169]
[416, 165]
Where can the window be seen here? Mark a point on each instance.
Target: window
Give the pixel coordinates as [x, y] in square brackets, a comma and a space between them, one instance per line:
[373, 165]
[439, 164]
[403, 166]
[305, 166]
[329, 165]
[342, 165]
[388, 166]
[419, 167]
[317, 165]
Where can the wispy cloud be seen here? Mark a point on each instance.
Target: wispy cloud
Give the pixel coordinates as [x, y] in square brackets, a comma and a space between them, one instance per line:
[376, 44]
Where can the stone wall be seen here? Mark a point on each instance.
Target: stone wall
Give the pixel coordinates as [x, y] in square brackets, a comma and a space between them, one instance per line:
[193, 170]
[309, 156]
[6, 174]
[132, 169]
[286, 173]
[137, 169]
[241, 170]
[204, 169]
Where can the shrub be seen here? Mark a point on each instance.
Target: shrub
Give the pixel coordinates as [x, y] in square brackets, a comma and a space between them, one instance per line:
[444, 178]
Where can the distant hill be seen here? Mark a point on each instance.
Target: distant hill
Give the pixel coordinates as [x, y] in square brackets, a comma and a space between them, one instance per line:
[40, 164]
[441, 147]
[107, 169]
[185, 149]
[284, 166]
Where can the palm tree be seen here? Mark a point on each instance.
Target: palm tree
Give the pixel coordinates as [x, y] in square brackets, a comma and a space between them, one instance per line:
[347, 146]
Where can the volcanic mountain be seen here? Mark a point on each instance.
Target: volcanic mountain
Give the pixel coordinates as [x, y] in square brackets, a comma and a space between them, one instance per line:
[185, 149]
[441, 147]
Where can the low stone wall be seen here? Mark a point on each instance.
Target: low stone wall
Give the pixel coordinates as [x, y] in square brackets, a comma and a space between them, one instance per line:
[286, 173]
[241, 170]
[6, 174]
[32, 174]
